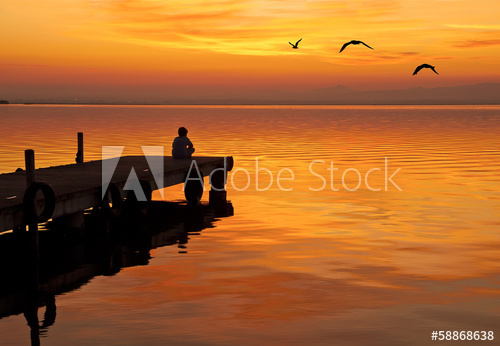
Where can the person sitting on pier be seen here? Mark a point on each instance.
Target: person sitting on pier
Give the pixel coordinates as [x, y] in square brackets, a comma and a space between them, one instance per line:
[182, 147]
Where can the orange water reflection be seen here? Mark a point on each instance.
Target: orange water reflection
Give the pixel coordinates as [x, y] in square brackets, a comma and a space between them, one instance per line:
[385, 267]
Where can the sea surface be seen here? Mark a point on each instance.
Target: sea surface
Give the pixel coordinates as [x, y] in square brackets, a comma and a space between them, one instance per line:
[352, 225]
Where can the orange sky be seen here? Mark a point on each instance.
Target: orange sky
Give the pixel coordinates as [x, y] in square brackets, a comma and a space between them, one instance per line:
[214, 48]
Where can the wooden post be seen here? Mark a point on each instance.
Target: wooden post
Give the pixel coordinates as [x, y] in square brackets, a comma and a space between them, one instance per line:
[29, 159]
[29, 162]
[218, 178]
[79, 153]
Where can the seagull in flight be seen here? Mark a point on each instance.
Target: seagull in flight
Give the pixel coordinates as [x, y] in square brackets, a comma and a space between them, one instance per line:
[353, 42]
[296, 45]
[424, 66]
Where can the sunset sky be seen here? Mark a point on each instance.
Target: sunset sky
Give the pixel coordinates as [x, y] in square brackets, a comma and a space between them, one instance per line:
[146, 48]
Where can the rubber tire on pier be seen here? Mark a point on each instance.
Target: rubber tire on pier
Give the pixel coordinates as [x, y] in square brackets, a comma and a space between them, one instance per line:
[29, 202]
[141, 206]
[193, 189]
[116, 201]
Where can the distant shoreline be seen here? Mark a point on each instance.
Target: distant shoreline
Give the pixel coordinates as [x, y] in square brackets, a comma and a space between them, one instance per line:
[478, 94]
[250, 104]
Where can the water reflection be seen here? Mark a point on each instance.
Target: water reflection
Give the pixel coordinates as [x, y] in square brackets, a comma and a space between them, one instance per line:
[32, 302]
[343, 267]
[69, 259]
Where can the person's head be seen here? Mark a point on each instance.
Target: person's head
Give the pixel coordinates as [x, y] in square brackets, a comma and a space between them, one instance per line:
[182, 131]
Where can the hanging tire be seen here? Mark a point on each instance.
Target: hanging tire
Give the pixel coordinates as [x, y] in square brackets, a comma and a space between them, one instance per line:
[112, 202]
[30, 202]
[193, 187]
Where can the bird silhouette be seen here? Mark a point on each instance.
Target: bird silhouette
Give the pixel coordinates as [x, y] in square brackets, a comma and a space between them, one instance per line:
[424, 66]
[353, 42]
[296, 45]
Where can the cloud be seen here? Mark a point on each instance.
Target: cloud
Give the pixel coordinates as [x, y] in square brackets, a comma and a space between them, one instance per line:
[476, 36]
[240, 27]
[477, 43]
[475, 26]
[381, 58]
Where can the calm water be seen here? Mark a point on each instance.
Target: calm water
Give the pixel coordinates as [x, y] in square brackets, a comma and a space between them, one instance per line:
[316, 264]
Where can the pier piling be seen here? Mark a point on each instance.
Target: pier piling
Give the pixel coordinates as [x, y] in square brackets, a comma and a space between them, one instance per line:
[29, 159]
[79, 153]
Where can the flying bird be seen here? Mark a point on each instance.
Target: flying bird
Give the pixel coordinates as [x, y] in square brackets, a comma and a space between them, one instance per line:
[353, 42]
[296, 45]
[424, 66]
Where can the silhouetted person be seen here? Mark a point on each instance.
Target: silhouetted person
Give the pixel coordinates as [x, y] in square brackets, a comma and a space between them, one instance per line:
[424, 66]
[353, 42]
[182, 148]
[296, 45]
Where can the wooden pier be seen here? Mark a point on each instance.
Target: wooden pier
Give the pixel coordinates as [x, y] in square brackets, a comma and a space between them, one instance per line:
[79, 186]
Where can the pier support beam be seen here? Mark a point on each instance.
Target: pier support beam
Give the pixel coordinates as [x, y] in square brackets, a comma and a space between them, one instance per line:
[217, 197]
[218, 193]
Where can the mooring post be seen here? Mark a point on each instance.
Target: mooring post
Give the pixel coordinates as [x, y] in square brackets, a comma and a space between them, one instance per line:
[79, 153]
[29, 159]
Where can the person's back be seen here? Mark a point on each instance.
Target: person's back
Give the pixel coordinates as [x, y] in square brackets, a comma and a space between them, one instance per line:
[182, 147]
